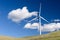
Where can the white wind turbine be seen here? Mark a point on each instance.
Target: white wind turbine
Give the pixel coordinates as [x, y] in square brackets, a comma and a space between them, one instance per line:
[40, 17]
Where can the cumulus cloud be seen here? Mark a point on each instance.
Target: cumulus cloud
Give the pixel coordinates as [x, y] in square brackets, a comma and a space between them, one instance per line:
[57, 20]
[49, 27]
[21, 14]
[31, 26]
[44, 28]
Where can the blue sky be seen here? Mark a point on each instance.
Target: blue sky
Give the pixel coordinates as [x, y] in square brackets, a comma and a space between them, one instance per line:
[50, 11]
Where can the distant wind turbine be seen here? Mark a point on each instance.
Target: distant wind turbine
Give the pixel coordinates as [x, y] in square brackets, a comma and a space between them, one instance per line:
[40, 17]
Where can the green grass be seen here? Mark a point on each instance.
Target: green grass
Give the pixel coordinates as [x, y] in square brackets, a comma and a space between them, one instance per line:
[50, 36]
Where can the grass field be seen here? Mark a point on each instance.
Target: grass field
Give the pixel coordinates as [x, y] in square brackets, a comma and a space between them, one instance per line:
[50, 36]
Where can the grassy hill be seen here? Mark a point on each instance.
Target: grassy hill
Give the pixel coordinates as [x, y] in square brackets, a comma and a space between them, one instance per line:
[6, 38]
[50, 36]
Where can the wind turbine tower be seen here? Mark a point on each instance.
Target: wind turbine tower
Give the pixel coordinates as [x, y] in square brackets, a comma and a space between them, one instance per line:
[39, 28]
[40, 17]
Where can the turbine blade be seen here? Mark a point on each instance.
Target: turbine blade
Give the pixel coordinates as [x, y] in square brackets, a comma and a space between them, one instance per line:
[44, 19]
[33, 19]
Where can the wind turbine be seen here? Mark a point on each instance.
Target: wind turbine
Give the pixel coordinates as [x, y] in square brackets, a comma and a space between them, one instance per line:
[40, 17]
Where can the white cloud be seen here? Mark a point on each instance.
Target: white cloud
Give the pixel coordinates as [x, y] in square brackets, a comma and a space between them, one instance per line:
[21, 14]
[57, 20]
[49, 27]
[28, 25]
[45, 28]
[31, 26]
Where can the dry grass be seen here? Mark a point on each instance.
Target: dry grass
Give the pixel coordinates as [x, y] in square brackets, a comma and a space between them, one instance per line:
[50, 36]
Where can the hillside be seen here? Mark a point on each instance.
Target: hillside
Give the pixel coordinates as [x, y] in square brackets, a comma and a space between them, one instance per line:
[6, 38]
[50, 36]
